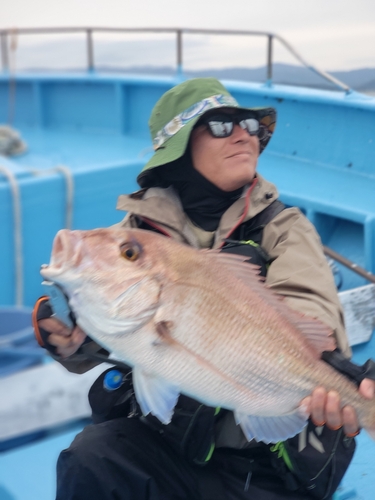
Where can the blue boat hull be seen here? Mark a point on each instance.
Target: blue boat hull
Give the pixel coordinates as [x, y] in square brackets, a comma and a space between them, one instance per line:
[322, 158]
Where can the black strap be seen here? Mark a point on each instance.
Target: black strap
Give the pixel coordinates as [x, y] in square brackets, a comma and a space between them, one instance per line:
[246, 239]
[253, 228]
[354, 372]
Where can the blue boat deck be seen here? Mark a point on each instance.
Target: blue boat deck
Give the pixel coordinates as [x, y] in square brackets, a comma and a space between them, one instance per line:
[29, 472]
[80, 150]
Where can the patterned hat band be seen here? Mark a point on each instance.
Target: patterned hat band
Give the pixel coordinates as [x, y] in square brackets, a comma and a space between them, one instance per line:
[198, 109]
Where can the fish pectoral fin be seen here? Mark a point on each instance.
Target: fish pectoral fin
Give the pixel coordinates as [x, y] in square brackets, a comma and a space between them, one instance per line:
[271, 429]
[154, 395]
[163, 330]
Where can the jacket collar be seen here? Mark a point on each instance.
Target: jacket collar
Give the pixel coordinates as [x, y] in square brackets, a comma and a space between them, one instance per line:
[162, 207]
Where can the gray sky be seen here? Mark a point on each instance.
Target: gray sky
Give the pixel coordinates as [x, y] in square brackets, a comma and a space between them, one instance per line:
[332, 34]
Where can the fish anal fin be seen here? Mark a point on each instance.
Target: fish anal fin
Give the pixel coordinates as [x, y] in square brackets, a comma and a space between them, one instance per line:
[154, 395]
[272, 429]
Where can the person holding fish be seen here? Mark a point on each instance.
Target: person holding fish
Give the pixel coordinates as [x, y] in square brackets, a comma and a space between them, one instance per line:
[223, 392]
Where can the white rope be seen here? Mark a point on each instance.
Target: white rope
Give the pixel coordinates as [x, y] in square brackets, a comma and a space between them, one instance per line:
[17, 218]
[69, 185]
[17, 223]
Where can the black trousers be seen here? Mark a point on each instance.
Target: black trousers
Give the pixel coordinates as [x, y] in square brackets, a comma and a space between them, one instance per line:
[124, 459]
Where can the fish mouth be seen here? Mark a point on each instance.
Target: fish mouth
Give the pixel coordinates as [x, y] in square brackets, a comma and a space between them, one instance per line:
[66, 252]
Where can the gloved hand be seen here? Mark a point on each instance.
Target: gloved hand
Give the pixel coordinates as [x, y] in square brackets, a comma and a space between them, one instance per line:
[325, 408]
[54, 335]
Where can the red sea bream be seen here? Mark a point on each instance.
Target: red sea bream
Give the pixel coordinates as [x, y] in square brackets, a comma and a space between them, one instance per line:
[200, 323]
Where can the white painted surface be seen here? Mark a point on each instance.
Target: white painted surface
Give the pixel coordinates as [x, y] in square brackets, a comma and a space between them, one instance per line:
[359, 311]
[42, 397]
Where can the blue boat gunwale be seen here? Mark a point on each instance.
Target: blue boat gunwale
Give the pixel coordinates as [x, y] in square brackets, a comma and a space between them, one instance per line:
[282, 91]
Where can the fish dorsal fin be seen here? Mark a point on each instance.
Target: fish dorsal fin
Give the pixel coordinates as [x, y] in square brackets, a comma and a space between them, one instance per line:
[319, 335]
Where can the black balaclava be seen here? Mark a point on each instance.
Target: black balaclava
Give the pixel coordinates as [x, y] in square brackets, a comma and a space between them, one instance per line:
[203, 202]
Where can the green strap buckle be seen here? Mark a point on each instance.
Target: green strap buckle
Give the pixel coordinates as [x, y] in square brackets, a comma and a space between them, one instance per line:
[280, 449]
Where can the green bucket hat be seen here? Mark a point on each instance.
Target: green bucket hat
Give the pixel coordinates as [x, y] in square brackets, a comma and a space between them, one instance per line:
[178, 110]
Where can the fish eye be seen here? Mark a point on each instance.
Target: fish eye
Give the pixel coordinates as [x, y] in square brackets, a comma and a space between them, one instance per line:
[130, 251]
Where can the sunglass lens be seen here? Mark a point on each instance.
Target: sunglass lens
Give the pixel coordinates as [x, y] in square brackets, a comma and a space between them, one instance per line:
[221, 127]
[250, 124]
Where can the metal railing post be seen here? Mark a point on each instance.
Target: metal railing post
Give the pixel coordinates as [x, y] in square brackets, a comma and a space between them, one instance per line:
[269, 61]
[4, 52]
[90, 50]
[179, 53]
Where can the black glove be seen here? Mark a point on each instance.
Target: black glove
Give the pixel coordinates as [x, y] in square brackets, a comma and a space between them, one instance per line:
[356, 373]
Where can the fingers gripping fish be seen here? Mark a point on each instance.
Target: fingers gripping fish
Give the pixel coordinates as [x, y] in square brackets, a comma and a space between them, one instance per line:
[200, 323]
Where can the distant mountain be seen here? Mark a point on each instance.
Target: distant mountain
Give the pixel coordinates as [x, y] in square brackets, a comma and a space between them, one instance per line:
[359, 79]
[362, 80]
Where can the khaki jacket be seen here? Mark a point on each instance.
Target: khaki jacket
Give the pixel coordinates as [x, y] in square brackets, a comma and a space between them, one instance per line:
[299, 270]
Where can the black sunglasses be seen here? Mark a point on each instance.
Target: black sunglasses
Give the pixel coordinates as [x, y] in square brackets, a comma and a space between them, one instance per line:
[222, 124]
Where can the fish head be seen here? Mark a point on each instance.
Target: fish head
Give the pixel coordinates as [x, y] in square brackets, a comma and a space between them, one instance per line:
[110, 276]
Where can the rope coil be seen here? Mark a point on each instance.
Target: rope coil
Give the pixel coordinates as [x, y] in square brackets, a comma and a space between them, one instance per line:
[17, 218]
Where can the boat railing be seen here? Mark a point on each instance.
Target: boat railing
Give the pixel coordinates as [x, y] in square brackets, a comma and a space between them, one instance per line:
[7, 34]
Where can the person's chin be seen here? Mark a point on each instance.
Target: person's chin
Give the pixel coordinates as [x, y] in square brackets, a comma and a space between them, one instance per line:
[238, 182]
[243, 169]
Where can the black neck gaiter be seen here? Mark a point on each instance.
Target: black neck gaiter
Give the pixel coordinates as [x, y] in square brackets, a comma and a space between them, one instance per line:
[203, 202]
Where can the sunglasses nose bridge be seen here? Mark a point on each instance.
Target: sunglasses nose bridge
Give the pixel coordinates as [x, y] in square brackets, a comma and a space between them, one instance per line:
[238, 128]
[238, 134]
